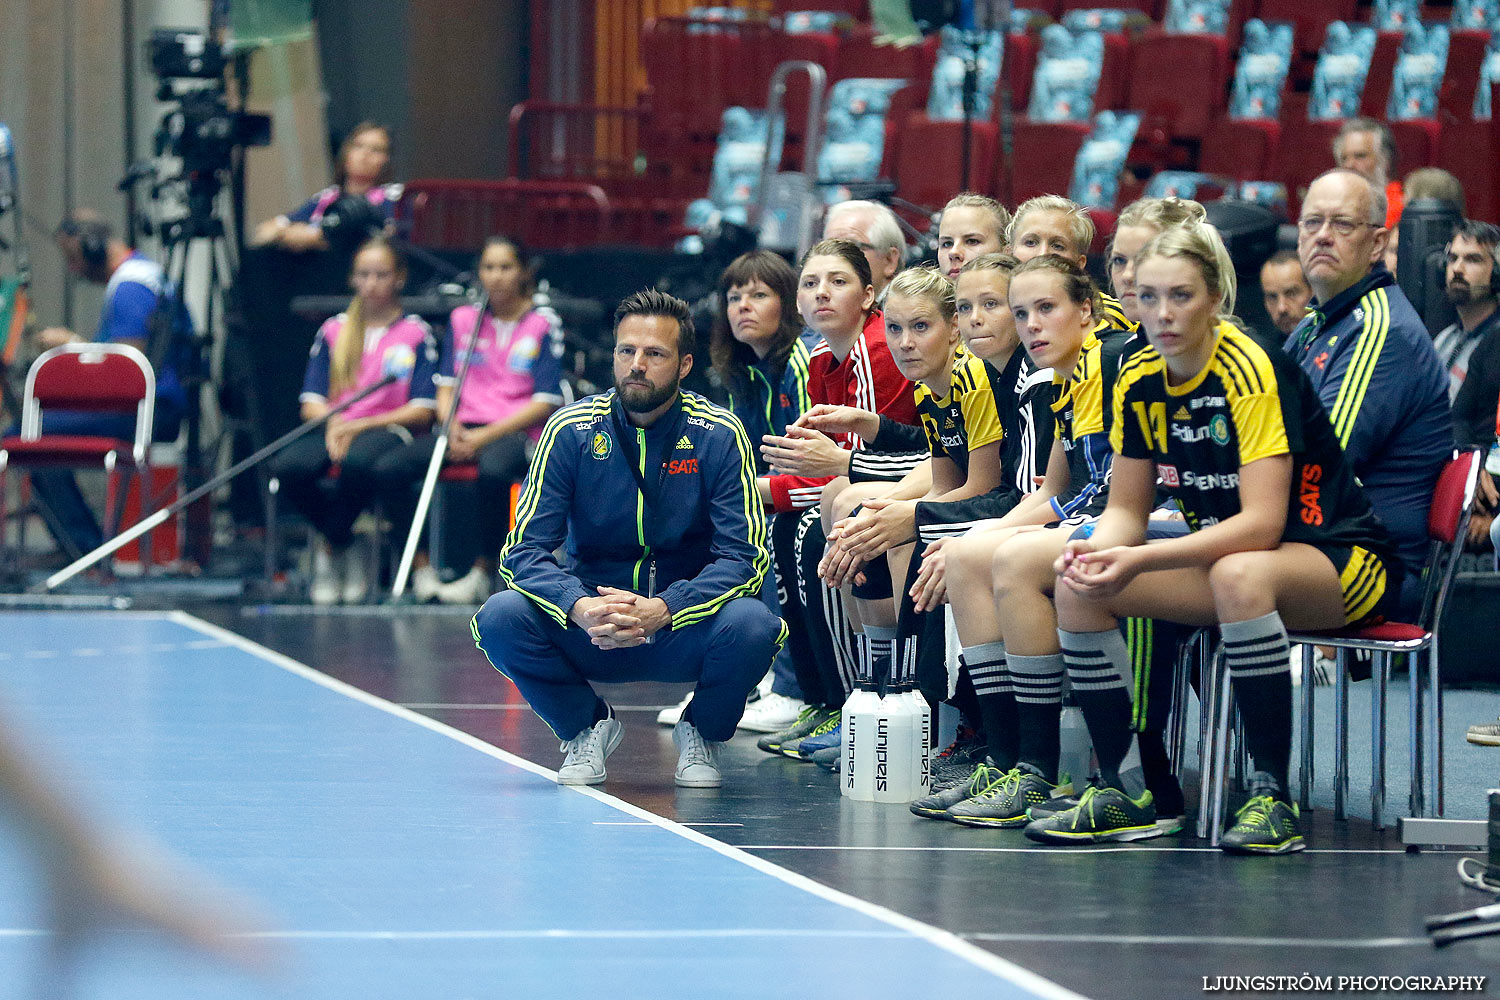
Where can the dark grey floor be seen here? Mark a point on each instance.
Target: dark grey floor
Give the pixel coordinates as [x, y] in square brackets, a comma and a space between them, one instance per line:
[1142, 920]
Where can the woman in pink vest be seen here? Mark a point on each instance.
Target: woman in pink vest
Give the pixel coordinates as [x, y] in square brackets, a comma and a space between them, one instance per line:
[354, 350]
[513, 385]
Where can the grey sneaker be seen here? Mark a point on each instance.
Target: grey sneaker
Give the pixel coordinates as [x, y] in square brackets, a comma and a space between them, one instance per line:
[584, 763]
[828, 757]
[807, 720]
[697, 758]
[936, 805]
[1485, 734]
[1004, 803]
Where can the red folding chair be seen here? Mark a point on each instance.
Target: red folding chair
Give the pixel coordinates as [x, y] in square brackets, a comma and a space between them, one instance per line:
[1447, 527]
[106, 379]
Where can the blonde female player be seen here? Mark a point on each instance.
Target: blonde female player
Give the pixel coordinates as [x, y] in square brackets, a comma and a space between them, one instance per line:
[1281, 536]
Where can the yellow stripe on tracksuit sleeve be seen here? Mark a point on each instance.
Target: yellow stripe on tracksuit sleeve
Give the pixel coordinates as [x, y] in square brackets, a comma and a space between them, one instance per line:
[755, 522]
[526, 506]
[1361, 368]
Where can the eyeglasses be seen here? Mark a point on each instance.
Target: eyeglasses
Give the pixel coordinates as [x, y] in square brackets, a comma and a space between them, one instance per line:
[1313, 225]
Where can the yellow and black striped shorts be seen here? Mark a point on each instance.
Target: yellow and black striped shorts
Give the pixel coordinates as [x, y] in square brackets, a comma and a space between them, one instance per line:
[1371, 588]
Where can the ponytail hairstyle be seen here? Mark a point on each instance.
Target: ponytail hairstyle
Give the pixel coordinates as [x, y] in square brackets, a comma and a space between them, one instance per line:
[925, 283]
[1201, 244]
[344, 370]
[1001, 214]
[1076, 283]
[728, 357]
[1161, 213]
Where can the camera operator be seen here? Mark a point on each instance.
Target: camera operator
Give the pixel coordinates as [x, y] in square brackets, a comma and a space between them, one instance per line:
[362, 171]
[141, 309]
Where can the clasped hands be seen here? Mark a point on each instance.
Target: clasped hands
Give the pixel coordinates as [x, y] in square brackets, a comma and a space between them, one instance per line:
[880, 525]
[619, 619]
[1097, 573]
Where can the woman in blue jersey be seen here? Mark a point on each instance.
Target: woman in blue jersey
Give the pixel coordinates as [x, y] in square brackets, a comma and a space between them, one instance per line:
[1281, 536]
[758, 348]
[362, 170]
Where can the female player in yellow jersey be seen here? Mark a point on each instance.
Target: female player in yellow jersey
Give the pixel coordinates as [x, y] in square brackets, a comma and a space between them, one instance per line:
[1281, 536]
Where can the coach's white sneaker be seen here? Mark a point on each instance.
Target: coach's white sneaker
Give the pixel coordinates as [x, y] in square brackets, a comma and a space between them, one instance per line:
[697, 758]
[327, 578]
[471, 588]
[425, 583]
[771, 714]
[584, 763]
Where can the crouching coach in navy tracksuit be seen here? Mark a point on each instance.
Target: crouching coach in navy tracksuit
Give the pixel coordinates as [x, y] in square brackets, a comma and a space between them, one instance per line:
[653, 488]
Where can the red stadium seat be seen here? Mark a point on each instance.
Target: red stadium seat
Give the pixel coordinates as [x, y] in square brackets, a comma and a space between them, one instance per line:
[859, 56]
[1043, 160]
[1305, 151]
[1244, 150]
[1382, 64]
[1416, 144]
[1465, 58]
[1178, 83]
[1114, 73]
[1308, 20]
[929, 169]
[1020, 57]
[1470, 151]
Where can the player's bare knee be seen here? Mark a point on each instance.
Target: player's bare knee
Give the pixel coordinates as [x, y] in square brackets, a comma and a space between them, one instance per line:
[1240, 584]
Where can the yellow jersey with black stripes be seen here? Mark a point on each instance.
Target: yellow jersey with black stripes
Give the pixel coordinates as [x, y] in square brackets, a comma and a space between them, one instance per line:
[1250, 402]
[1080, 413]
[965, 419]
[1113, 313]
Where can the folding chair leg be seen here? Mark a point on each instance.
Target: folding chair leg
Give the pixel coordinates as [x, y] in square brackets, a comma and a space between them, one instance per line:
[1221, 754]
[435, 553]
[1177, 716]
[1435, 698]
[1208, 712]
[1341, 735]
[1379, 673]
[273, 487]
[1417, 732]
[1305, 770]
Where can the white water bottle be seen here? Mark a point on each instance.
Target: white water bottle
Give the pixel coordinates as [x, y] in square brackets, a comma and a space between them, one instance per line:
[895, 731]
[857, 752]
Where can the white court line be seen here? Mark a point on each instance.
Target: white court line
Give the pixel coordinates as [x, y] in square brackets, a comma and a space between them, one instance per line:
[641, 822]
[945, 940]
[454, 706]
[1060, 850]
[1179, 940]
[551, 933]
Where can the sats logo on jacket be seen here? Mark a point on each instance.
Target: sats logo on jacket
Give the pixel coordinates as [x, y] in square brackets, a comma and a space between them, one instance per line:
[682, 466]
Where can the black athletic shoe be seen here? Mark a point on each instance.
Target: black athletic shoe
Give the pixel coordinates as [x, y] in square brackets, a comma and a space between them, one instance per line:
[1102, 814]
[1264, 825]
[955, 763]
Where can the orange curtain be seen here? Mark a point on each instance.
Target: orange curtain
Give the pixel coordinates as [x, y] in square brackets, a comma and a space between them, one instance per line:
[619, 73]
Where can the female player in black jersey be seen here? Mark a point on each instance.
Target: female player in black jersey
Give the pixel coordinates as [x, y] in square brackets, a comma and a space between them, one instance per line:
[1281, 536]
[1055, 308]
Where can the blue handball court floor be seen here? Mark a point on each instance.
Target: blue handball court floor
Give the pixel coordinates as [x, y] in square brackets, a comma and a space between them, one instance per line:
[395, 856]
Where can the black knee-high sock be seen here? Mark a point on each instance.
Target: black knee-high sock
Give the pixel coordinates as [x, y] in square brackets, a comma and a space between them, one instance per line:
[1259, 661]
[1099, 674]
[1038, 685]
[997, 700]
